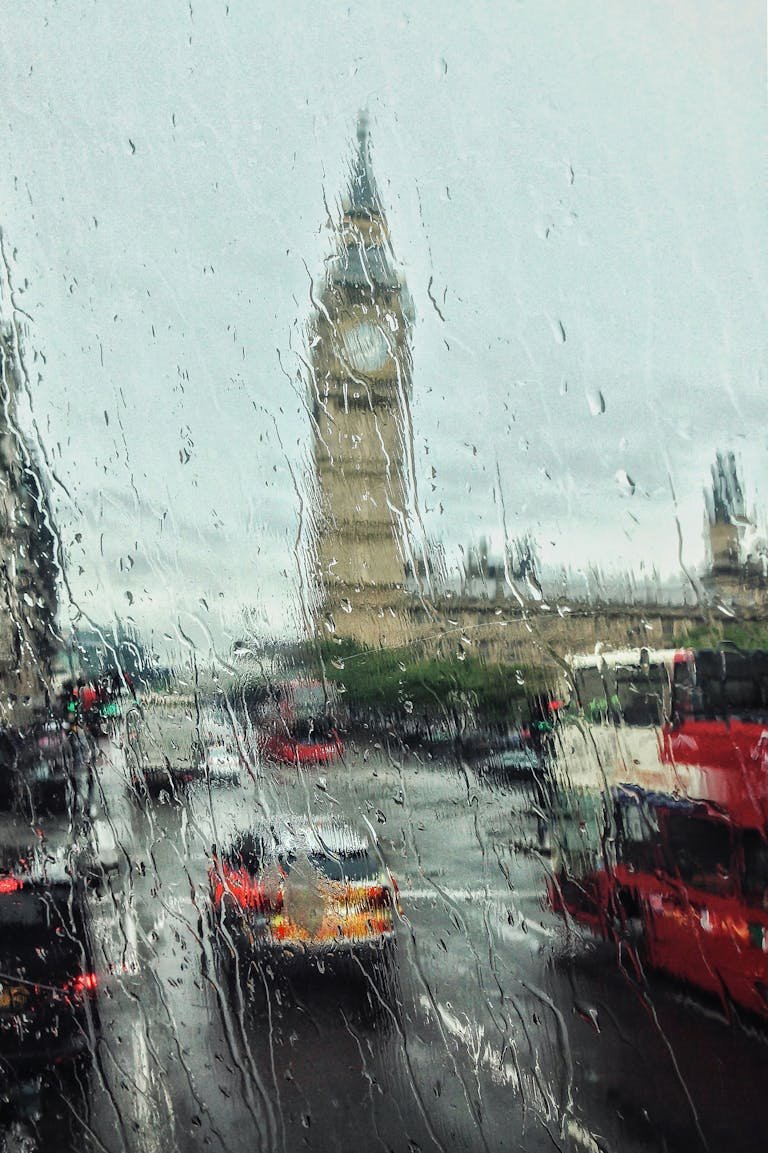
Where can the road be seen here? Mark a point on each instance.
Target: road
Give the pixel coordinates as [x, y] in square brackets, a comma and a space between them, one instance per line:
[503, 1029]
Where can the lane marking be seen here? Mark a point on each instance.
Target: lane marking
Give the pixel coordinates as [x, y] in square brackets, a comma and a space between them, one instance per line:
[532, 1084]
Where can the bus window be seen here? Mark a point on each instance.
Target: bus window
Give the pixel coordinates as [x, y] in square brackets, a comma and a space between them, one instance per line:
[637, 837]
[719, 685]
[631, 687]
[700, 851]
[754, 879]
[640, 692]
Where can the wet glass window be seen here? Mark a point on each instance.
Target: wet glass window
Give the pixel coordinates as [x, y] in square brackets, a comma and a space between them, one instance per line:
[383, 577]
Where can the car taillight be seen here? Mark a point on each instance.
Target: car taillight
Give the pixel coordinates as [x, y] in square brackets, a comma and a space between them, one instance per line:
[379, 897]
[246, 891]
[84, 984]
[10, 884]
[396, 892]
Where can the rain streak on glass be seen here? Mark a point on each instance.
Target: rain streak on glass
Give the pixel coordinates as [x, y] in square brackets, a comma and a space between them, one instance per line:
[384, 644]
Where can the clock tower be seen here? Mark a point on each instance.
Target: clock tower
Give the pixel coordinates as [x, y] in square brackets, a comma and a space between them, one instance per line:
[360, 395]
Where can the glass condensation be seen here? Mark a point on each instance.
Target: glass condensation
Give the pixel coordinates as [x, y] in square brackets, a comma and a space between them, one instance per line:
[383, 642]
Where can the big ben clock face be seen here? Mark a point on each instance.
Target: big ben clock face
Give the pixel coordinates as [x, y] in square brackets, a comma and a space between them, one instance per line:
[365, 347]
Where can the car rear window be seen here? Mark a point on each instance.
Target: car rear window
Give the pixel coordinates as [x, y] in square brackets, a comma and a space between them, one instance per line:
[348, 867]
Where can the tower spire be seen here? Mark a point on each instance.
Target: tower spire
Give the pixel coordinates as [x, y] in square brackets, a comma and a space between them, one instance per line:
[363, 196]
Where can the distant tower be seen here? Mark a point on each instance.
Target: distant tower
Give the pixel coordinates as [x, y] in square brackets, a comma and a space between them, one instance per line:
[27, 558]
[360, 398]
[727, 517]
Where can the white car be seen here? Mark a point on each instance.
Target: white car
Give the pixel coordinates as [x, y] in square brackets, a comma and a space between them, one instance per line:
[294, 891]
[222, 764]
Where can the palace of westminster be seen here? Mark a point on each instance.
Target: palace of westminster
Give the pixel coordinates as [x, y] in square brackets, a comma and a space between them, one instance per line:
[368, 584]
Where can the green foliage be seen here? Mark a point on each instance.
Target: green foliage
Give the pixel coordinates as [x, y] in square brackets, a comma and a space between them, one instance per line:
[393, 679]
[741, 634]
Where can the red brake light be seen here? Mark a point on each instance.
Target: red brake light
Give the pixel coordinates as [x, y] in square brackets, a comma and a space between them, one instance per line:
[84, 983]
[246, 890]
[10, 884]
[379, 897]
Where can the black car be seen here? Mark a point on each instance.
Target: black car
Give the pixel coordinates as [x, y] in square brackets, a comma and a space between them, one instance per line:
[46, 769]
[48, 985]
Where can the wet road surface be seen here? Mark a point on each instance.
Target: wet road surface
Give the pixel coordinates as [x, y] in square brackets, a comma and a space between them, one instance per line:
[502, 1027]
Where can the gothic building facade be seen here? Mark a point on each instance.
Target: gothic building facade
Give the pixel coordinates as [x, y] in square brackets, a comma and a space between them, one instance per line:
[369, 586]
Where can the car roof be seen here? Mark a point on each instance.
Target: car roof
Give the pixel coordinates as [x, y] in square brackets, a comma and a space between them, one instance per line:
[298, 834]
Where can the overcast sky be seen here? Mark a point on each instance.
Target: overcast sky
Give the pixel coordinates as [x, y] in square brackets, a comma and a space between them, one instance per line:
[580, 186]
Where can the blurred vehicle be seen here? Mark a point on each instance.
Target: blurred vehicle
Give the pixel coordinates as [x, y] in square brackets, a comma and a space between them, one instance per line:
[688, 888]
[161, 753]
[94, 706]
[298, 725]
[48, 982]
[517, 764]
[611, 730]
[221, 748]
[311, 749]
[719, 712]
[680, 870]
[45, 770]
[293, 890]
[630, 686]
[221, 764]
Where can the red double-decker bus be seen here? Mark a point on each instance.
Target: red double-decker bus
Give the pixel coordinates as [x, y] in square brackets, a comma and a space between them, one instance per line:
[718, 733]
[683, 873]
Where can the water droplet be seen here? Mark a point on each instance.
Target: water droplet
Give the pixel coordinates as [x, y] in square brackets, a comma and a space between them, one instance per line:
[596, 402]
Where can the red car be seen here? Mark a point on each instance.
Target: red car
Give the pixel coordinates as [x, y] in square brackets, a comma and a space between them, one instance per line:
[291, 750]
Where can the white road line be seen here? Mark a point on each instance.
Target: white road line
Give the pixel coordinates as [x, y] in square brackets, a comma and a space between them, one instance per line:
[535, 1089]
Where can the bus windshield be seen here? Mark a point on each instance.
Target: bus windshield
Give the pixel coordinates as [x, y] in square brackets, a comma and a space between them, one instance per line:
[618, 688]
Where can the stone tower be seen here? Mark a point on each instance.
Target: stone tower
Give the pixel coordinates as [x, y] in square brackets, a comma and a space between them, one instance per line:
[360, 398]
[727, 518]
[27, 559]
